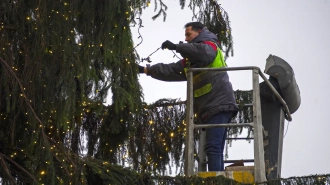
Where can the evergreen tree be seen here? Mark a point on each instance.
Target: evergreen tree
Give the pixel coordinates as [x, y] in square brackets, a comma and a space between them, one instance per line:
[58, 62]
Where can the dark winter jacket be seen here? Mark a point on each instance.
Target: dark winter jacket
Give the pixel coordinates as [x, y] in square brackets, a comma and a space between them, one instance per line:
[199, 54]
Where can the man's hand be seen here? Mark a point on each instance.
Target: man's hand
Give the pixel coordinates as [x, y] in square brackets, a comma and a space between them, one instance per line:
[169, 45]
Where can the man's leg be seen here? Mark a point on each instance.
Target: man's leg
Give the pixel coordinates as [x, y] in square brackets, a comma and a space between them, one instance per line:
[215, 141]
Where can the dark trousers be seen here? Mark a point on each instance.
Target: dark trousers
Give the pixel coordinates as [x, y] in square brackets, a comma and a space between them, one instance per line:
[215, 141]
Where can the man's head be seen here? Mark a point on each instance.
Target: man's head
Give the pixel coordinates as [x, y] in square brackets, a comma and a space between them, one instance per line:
[193, 29]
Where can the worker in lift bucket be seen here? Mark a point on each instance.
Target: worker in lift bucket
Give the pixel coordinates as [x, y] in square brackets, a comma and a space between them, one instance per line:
[214, 100]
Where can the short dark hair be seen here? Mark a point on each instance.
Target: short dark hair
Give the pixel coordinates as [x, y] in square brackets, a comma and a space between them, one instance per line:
[195, 25]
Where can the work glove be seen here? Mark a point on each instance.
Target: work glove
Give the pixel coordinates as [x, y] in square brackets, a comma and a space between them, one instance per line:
[141, 69]
[169, 45]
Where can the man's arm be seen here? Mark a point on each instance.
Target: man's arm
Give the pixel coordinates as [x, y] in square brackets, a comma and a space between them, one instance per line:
[199, 54]
[166, 72]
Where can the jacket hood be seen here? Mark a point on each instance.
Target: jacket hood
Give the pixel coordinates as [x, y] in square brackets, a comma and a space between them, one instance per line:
[205, 35]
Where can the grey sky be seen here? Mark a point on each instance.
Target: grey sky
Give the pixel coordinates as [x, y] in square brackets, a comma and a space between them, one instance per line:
[297, 31]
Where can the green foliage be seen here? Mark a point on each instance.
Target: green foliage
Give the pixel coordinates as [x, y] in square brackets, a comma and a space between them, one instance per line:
[58, 59]
[58, 62]
[157, 145]
[309, 180]
[180, 180]
[245, 113]
[220, 180]
[100, 172]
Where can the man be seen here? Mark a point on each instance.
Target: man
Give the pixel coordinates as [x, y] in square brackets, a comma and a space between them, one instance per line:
[214, 100]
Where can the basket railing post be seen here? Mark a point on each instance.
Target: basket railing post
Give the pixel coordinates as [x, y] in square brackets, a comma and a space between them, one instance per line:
[259, 162]
[189, 149]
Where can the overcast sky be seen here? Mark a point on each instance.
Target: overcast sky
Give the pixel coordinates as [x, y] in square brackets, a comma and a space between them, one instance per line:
[297, 31]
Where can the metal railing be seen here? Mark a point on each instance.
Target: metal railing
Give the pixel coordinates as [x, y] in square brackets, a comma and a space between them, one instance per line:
[259, 163]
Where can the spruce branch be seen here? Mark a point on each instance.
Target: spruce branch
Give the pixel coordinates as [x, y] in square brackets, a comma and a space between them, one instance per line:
[162, 10]
[4, 165]
[2, 157]
[182, 3]
[63, 151]
[24, 96]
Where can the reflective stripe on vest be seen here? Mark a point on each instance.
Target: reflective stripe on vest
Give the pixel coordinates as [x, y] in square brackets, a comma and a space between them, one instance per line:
[217, 63]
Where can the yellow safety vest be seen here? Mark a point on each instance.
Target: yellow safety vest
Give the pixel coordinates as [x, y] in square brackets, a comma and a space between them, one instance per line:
[218, 62]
